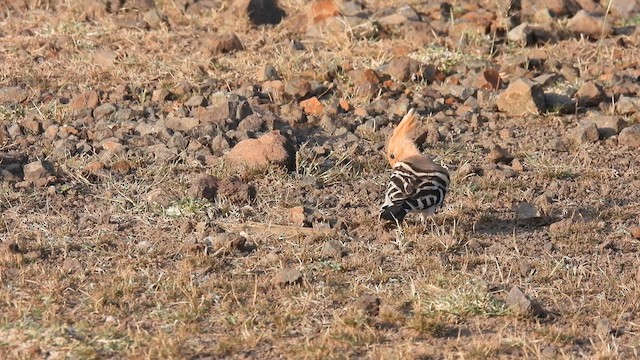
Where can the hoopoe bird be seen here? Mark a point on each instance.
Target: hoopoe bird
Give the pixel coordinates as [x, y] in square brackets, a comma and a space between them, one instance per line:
[417, 183]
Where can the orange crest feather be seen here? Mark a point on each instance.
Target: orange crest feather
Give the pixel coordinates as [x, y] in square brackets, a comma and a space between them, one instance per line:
[401, 143]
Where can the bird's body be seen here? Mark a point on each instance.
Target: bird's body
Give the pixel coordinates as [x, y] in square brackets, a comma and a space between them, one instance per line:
[417, 183]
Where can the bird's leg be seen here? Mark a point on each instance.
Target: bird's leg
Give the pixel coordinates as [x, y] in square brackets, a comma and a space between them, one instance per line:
[423, 218]
[399, 225]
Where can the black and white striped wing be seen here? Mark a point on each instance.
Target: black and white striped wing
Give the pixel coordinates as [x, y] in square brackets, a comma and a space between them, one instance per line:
[410, 189]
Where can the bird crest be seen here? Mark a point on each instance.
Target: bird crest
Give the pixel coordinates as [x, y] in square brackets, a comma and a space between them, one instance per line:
[402, 144]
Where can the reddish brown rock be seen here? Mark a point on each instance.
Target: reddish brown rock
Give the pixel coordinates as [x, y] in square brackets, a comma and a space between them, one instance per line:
[181, 124]
[521, 303]
[297, 216]
[86, 100]
[589, 94]
[585, 133]
[297, 88]
[320, 10]
[222, 44]
[522, 97]
[160, 197]
[630, 136]
[287, 277]
[365, 83]
[204, 187]
[498, 155]
[268, 149]
[312, 106]
[236, 190]
[13, 94]
[368, 304]
[586, 24]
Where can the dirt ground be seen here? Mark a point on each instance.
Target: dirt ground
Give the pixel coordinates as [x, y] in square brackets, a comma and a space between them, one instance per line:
[140, 218]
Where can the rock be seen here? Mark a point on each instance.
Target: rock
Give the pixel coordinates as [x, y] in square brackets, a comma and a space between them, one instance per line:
[219, 144]
[71, 265]
[105, 58]
[226, 243]
[160, 95]
[589, 94]
[195, 100]
[405, 68]
[267, 72]
[522, 97]
[181, 123]
[154, 19]
[561, 8]
[204, 187]
[31, 124]
[635, 232]
[498, 155]
[122, 167]
[287, 277]
[312, 106]
[94, 167]
[630, 136]
[225, 106]
[521, 303]
[297, 88]
[626, 106]
[14, 131]
[268, 149]
[159, 196]
[526, 211]
[193, 246]
[624, 9]
[586, 24]
[465, 170]
[368, 304]
[557, 144]
[13, 94]
[222, 44]
[236, 191]
[333, 249]
[251, 124]
[585, 133]
[297, 216]
[521, 34]
[112, 145]
[320, 10]
[86, 100]
[461, 29]
[103, 111]
[517, 165]
[365, 83]
[394, 19]
[560, 227]
[38, 173]
[607, 125]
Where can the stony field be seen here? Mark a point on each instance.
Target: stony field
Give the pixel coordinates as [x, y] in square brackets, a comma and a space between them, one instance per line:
[201, 179]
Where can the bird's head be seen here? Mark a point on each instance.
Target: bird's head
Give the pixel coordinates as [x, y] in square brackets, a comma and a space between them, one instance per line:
[402, 144]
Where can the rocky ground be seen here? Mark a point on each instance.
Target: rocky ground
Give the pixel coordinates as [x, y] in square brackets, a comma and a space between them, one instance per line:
[202, 179]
